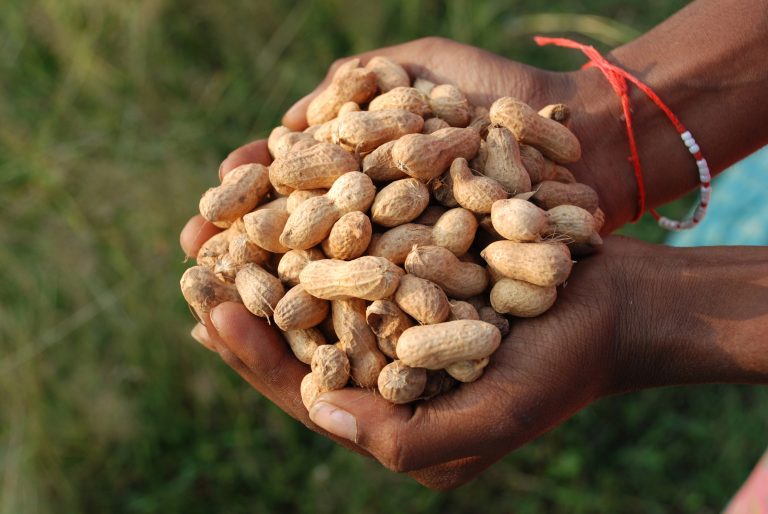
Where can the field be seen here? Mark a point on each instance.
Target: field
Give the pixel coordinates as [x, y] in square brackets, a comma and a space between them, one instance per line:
[114, 116]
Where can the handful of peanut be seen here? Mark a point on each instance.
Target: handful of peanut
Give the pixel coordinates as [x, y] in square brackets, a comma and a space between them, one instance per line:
[389, 245]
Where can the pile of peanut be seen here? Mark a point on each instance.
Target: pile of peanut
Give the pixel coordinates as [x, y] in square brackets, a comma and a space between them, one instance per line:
[393, 264]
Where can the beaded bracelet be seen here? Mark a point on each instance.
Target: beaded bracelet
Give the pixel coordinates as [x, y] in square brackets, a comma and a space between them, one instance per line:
[618, 77]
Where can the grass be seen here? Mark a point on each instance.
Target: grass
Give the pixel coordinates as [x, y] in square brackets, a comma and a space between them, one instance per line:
[113, 118]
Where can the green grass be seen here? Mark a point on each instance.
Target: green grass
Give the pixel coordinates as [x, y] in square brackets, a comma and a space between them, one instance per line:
[113, 118]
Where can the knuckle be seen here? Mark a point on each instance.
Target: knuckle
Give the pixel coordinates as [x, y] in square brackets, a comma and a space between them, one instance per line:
[397, 457]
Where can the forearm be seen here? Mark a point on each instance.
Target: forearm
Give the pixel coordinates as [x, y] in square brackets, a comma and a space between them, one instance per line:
[696, 315]
[708, 63]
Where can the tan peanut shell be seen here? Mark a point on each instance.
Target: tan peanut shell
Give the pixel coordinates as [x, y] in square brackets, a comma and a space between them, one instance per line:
[389, 74]
[327, 132]
[280, 203]
[399, 383]
[474, 192]
[330, 368]
[533, 162]
[433, 125]
[489, 315]
[264, 228]
[298, 197]
[550, 137]
[518, 220]
[387, 321]
[312, 220]
[521, 299]
[214, 248]
[458, 279]
[440, 345]
[468, 371]
[478, 162]
[312, 168]
[380, 166]
[438, 382]
[309, 390]
[304, 342]
[364, 131]
[348, 107]
[423, 85]
[449, 103]
[259, 290]
[543, 264]
[549, 194]
[298, 309]
[349, 84]
[455, 230]
[480, 121]
[462, 310]
[503, 162]
[574, 223]
[427, 156]
[358, 341]
[293, 261]
[349, 237]
[406, 98]
[563, 174]
[240, 252]
[422, 299]
[399, 202]
[396, 243]
[240, 191]
[557, 112]
[203, 291]
[293, 141]
[367, 277]
[274, 137]
[430, 215]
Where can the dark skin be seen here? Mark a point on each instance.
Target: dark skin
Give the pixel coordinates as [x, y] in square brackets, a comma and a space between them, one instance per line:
[633, 316]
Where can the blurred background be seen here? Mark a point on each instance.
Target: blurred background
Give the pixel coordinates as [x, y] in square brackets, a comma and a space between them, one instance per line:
[114, 117]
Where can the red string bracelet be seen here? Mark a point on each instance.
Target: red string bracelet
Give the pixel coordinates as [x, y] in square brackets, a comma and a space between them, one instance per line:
[618, 77]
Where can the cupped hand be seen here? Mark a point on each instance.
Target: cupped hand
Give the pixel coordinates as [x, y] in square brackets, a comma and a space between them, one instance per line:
[545, 370]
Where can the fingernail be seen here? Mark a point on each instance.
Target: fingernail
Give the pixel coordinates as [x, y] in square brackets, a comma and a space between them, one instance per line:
[335, 420]
[215, 321]
[200, 334]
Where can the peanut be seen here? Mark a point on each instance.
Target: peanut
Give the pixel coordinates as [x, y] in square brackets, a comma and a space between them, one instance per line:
[357, 341]
[240, 252]
[438, 382]
[399, 383]
[387, 321]
[543, 264]
[436, 264]
[330, 368]
[309, 390]
[293, 261]
[364, 131]
[299, 196]
[573, 223]
[240, 192]
[549, 137]
[298, 309]
[557, 112]
[274, 137]
[430, 215]
[349, 237]
[312, 220]
[467, 371]
[399, 202]
[216, 247]
[474, 192]
[290, 143]
[259, 290]
[203, 291]
[264, 228]
[389, 74]
[521, 299]
[349, 84]
[367, 277]
[423, 85]
[549, 194]
[422, 299]
[518, 220]
[304, 342]
[433, 125]
[489, 315]
[480, 121]
[455, 230]
[462, 310]
[380, 166]
[449, 103]
[503, 162]
[442, 190]
[348, 107]
[426, 156]
[438, 346]
[406, 98]
[533, 162]
[316, 167]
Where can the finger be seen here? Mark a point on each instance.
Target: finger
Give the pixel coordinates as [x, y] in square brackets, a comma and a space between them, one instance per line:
[253, 349]
[200, 334]
[196, 232]
[253, 152]
[451, 475]
[469, 422]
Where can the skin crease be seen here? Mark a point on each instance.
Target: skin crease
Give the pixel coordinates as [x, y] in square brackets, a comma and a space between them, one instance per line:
[634, 315]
